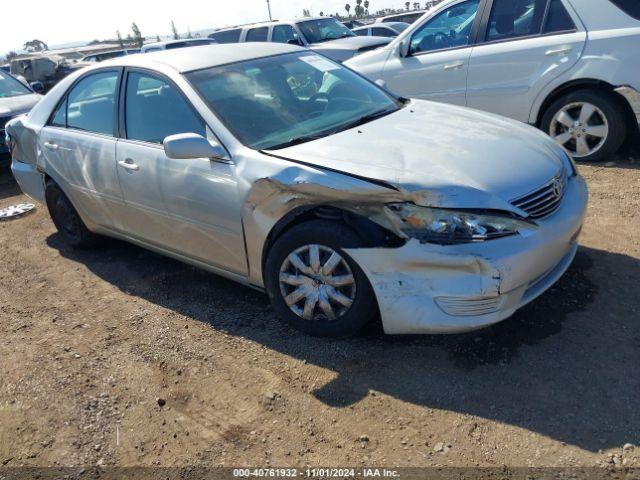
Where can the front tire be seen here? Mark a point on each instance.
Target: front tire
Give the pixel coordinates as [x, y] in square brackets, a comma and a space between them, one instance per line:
[589, 124]
[66, 218]
[314, 285]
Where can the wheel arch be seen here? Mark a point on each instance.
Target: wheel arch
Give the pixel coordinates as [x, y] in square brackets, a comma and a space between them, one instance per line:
[372, 234]
[585, 84]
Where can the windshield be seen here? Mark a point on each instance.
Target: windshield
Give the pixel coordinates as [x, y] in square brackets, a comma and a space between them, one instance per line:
[400, 27]
[278, 101]
[324, 29]
[10, 87]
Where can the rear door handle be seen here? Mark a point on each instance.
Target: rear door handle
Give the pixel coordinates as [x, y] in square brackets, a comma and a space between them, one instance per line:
[454, 65]
[129, 165]
[51, 146]
[558, 51]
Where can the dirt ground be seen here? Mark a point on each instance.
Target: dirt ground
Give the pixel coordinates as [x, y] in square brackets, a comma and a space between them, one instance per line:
[92, 343]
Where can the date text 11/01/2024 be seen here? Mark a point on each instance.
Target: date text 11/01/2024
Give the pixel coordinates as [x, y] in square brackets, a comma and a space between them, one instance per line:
[315, 473]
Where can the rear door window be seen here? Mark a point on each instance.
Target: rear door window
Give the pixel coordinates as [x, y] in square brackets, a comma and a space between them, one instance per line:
[513, 19]
[91, 103]
[558, 19]
[630, 7]
[227, 36]
[257, 34]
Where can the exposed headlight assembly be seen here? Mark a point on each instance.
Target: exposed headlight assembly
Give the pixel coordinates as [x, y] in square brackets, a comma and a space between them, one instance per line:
[451, 227]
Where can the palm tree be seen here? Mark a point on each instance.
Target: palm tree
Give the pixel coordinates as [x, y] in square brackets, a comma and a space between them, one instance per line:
[407, 5]
[137, 36]
[366, 6]
[347, 7]
[120, 41]
[174, 31]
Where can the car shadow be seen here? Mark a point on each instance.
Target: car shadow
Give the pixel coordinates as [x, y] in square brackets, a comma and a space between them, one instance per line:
[8, 185]
[564, 366]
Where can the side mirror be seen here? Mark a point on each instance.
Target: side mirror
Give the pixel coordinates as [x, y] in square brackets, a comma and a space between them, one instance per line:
[22, 80]
[37, 87]
[191, 145]
[404, 48]
[295, 41]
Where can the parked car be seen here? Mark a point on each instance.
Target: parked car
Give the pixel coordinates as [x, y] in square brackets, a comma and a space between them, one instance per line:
[102, 56]
[16, 98]
[390, 29]
[175, 44]
[324, 35]
[351, 24]
[570, 67]
[47, 70]
[283, 170]
[404, 17]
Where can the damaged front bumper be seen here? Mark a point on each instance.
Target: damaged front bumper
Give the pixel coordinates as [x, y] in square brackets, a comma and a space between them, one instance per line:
[426, 288]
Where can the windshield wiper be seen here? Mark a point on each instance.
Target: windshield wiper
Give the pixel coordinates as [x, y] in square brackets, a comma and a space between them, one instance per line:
[365, 119]
[298, 140]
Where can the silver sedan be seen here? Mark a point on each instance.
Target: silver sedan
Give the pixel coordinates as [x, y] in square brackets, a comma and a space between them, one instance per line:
[285, 171]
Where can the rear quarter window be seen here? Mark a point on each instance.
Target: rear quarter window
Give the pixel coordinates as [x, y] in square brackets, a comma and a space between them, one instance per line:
[630, 7]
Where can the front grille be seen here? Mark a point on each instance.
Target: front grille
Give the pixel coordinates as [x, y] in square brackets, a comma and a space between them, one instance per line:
[469, 307]
[545, 200]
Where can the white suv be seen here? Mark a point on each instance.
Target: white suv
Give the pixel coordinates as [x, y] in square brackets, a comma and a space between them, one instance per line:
[324, 35]
[570, 67]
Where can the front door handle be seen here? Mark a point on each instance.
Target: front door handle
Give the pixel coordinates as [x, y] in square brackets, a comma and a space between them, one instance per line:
[454, 65]
[51, 146]
[129, 165]
[558, 51]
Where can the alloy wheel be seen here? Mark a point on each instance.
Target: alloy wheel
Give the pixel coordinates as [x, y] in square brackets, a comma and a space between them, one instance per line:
[317, 283]
[581, 128]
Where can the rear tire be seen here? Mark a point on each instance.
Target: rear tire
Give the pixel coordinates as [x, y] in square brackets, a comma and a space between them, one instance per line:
[328, 288]
[590, 124]
[66, 218]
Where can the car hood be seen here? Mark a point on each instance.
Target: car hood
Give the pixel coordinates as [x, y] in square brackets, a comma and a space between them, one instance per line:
[441, 155]
[351, 43]
[11, 106]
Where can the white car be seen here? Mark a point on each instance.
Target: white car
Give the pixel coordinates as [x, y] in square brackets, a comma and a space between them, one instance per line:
[176, 44]
[405, 17]
[324, 35]
[389, 29]
[570, 67]
[283, 170]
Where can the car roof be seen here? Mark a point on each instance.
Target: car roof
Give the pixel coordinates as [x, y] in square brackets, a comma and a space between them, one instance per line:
[391, 24]
[273, 22]
[171, 42]
[205, 56]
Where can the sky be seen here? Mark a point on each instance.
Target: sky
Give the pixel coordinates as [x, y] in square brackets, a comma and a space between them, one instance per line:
[58, 22]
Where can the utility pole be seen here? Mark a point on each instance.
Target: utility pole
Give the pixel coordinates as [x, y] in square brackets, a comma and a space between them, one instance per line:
[269, 8]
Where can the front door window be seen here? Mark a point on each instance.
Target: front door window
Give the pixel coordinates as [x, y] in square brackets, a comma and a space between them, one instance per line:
[451, 28]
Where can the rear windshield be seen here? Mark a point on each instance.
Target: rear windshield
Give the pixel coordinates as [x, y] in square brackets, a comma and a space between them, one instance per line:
[630, 7]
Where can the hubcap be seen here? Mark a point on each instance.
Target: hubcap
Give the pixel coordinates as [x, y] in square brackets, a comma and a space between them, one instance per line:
[581, 128]
[317, 283]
